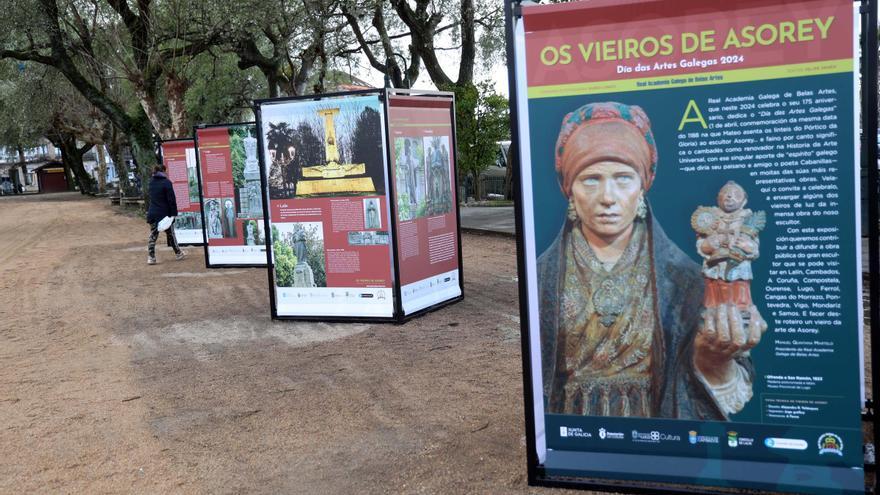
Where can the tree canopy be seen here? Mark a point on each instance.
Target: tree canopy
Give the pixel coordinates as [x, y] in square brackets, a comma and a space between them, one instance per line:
[124, 73]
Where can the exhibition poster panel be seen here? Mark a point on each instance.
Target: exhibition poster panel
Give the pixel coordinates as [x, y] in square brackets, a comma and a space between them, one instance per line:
[328, 208]
[692, 244]
[179, 158]
[232, 202]
[422, 158]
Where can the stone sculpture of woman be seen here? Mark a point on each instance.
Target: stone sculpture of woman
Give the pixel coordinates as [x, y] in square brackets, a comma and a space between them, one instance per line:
[372, 216]
[229, 218]
[214, 228]
[299, 245]
[250, 234]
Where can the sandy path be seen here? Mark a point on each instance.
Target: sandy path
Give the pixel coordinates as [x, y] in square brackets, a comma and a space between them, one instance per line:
[64, 381]
[116, 376]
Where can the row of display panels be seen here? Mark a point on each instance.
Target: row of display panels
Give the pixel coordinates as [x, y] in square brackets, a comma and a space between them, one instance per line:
[690, 264]
[361, 189]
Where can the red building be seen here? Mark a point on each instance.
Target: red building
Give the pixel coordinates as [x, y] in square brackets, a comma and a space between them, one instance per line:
[51, 178]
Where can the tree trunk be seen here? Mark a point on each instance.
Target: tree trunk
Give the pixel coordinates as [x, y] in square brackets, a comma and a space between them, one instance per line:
[102, 169]
[120, 166]
[14, 174]
[510, 173]
[115, 148]
[15, 177]
[151, 110]
[143, 150]
[60, 58]
[68, 175]
[478, 193]
[83, 179]
[72, 158]
[175, 91]
[272, 82]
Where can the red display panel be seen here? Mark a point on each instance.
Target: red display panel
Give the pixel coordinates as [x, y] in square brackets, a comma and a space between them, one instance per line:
[231, 196]
[179, 158]
[421, 134]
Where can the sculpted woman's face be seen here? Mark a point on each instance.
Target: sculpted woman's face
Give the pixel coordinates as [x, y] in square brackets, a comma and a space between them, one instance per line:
[606, 197]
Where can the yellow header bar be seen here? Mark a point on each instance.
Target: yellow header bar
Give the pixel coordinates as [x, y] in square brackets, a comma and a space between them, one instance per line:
[695, 79]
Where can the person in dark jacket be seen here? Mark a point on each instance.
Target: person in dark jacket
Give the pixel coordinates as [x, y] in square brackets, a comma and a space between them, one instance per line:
[163, 204]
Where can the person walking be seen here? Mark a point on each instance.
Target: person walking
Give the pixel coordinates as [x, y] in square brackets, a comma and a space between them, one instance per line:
[163, 204]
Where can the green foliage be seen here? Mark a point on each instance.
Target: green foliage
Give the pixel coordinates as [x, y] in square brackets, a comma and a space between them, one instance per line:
[490, 42]
[497, 202]
[193, 182]
[238, 155]
[403, 212]
[367, 144]
[144, 150]
[482, 119]
[186, 65]
[220, 91]
[308, 151]
[315, 256]
[285, 260]
[25, 113]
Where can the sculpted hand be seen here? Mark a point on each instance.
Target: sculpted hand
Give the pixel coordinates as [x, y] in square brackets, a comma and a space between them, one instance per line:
[747, 246]
[722, 337]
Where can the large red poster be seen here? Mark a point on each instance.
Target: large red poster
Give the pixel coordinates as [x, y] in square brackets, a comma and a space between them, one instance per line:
[232, 200]
[179, 158]
[423, 189]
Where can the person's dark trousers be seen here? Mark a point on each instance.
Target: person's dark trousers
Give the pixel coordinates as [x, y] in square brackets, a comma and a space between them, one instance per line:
[169, 234]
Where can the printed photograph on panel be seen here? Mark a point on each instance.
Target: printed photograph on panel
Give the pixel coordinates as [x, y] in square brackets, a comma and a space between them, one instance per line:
[409, 172]
[372, 218]
[298, 250]
[220, 215]
[439, 174]
[368, 238]
[189, 220]
[253, 232]
[246, 171]
[330, 147]
[631, 325]
[192, 175]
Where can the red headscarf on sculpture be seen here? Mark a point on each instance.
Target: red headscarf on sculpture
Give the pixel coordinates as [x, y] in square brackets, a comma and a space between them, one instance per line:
[606, 131]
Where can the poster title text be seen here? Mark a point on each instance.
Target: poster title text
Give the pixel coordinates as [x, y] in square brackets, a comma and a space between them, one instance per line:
[785, 32]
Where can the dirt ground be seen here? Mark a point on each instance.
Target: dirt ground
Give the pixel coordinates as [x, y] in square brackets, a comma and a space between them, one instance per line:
[116, 376]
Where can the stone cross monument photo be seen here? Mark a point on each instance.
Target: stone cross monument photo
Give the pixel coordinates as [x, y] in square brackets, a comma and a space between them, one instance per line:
[332, 176]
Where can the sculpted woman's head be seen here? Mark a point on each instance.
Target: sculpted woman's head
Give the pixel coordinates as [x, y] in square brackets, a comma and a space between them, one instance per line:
[606, 159]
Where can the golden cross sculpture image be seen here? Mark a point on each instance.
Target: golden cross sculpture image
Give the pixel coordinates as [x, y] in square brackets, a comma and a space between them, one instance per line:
[332, 176]
[330, 133]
